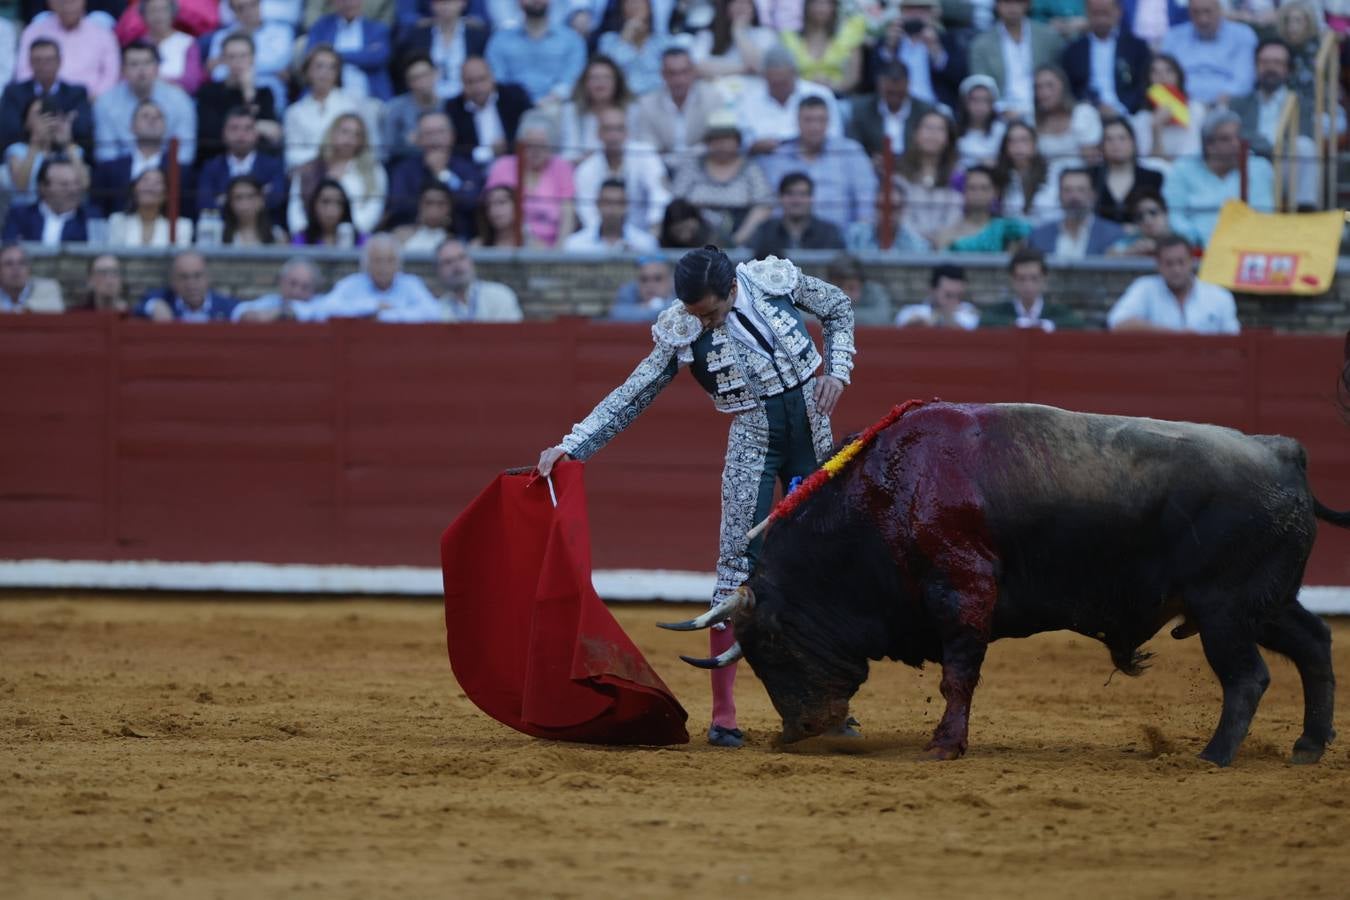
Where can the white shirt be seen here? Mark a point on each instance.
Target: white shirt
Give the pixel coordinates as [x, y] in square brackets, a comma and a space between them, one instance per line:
[1070, 247]
[241, 166]
[738, 330]
[306, 121]
[1150, 21]
[1268, 113]
[893, 124]
[448, 57]
[588, 240]
[914, 54]
[1031, 318]
[1102, 69]
[1209, 309]
[679, 127]
[1018, 90]
[487, 121]
[485, 301]
[139, 163]
[53, 224]
[643, 175]
[350, 36]
[761, 116]
[967, 316]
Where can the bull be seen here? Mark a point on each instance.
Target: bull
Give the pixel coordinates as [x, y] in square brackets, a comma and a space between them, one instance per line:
[957, 525]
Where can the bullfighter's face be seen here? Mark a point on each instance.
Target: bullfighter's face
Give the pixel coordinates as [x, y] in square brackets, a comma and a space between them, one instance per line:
[712, 310]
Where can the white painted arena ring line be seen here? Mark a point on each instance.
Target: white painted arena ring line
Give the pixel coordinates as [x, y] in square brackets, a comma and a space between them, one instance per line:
[249, 577]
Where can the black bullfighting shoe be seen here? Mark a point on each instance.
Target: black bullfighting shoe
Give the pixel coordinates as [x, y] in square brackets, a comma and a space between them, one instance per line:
[725, 737]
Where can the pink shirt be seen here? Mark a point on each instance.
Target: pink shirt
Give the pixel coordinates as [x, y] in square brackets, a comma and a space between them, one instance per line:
[544, 201]
[89, 54]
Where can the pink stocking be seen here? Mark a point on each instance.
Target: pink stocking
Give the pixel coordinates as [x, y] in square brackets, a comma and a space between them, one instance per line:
[723, 680]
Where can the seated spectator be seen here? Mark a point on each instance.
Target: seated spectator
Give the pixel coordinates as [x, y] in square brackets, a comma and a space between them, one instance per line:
[979, 128]
[105, 291]
[1160, 134]
[144, 223]
[239, 90]
[981, 229]
[1120, 177]
[180, 61]
[20, 292]
[189, 297]
[1260, 116]
[114, 110]
[1174, 299]
[328, 213]
[549, 192]
[601, 87]
[888, 115]
[308, 119]
[466, 298]
[381, 290]
[1066, 131]
[1020, 38]
[1027, 306]
[347, 158]
[732, 193]
[929, 173]
[239, 136]
[88, 49]
[864, 236]
[485, 117]
[1107, 65]
[871, 301]
[401, 113]
[1299, 24]
[674, 118]
[297, 284]
[544, 58]
[611, 232]
[273, 41]
[363, 44]
[1195, 189]
[58, 217]
[63, 98]
[497, 219]
[1064, 16]
[643, 299]
[934, 58]
[245, 219]
[768, 111]
[845, 182]
[1078, 234]
[683, 226]
[110, 185]
[445, 43]
[194, 17]
[436, 163]
[636, 47]
[1026, 181]
[636, 165]
[797, 228]
[1215, 52]
[1147, 224]
[946, 306]
[47, 135]
[735, 44]
[435, 211]
[828, 49]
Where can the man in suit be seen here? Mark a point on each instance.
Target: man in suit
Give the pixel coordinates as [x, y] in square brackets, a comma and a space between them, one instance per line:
[1027, 306]
[1108, 66]
[364, 45]
[674, 118]
[58, 216]
[934, 58]
[20, 291]
[448, 40]
[797, 228]
[485, 117]
[890, 113]
[110, 185]
[1011, 52]
[1260, 115]
[189, 297]
[434, 163]
[44, 57]
[1078, 234]
[242, 157]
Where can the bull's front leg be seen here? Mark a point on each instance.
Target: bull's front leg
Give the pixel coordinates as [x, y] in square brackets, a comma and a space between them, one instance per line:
[962, 657]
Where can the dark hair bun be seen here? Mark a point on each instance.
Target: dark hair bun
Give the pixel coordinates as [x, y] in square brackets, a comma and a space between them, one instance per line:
[703, 272]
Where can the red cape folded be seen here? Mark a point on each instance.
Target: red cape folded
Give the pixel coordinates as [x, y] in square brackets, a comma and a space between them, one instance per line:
[529, 640]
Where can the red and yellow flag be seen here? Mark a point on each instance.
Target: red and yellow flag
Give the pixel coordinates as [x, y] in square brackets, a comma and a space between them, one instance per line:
[1171, 99]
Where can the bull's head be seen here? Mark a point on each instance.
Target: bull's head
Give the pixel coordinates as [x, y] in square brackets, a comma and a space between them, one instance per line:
[807, 683]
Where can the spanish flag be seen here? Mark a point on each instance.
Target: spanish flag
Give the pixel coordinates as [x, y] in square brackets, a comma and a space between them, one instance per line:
[1172, 100]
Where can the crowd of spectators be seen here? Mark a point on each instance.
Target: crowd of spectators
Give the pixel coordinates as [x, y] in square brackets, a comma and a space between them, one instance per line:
[1073, 127]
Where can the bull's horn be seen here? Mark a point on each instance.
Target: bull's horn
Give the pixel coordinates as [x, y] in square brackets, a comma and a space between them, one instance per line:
[725, 658]
[715, 616]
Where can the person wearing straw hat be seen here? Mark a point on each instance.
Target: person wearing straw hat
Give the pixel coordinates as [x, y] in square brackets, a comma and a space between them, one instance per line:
[741, 332]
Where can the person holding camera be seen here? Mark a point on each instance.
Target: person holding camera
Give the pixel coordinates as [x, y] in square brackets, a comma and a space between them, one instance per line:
[935, 59]
[47, 135]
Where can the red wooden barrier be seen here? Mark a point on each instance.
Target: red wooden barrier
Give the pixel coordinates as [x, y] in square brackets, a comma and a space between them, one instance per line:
[357, 443]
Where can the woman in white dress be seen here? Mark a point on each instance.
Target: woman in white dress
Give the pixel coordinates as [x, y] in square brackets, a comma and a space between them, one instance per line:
[1066, 132]
[1026, 179]
[347, 158]
[977, 122]
[1161, 138]
[144, 223]
[600, 87]
[308, 118]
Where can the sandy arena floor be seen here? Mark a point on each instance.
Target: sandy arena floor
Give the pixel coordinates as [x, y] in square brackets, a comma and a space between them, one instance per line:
[193, 749]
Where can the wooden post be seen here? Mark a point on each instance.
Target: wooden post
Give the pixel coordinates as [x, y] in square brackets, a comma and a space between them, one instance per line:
[174, 177]
[885, 225]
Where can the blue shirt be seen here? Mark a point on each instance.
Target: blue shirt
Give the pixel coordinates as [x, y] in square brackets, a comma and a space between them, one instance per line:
[1222, 67]
[356, 296]
[550, 65]
[1194, 194]
[112, 121]
[845, 181]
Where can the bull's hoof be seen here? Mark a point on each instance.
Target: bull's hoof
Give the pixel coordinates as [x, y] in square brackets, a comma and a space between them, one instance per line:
[935, 753]
[1307, 751]
[1222, 760]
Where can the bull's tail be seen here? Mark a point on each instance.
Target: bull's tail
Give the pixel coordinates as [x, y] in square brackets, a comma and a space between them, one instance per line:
[1327, 514]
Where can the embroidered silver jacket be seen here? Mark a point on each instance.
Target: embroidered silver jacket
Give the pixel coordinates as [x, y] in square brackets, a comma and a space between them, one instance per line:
[748, 374]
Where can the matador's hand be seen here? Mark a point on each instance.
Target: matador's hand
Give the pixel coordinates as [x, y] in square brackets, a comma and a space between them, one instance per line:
[548, 458]
[827, 392]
